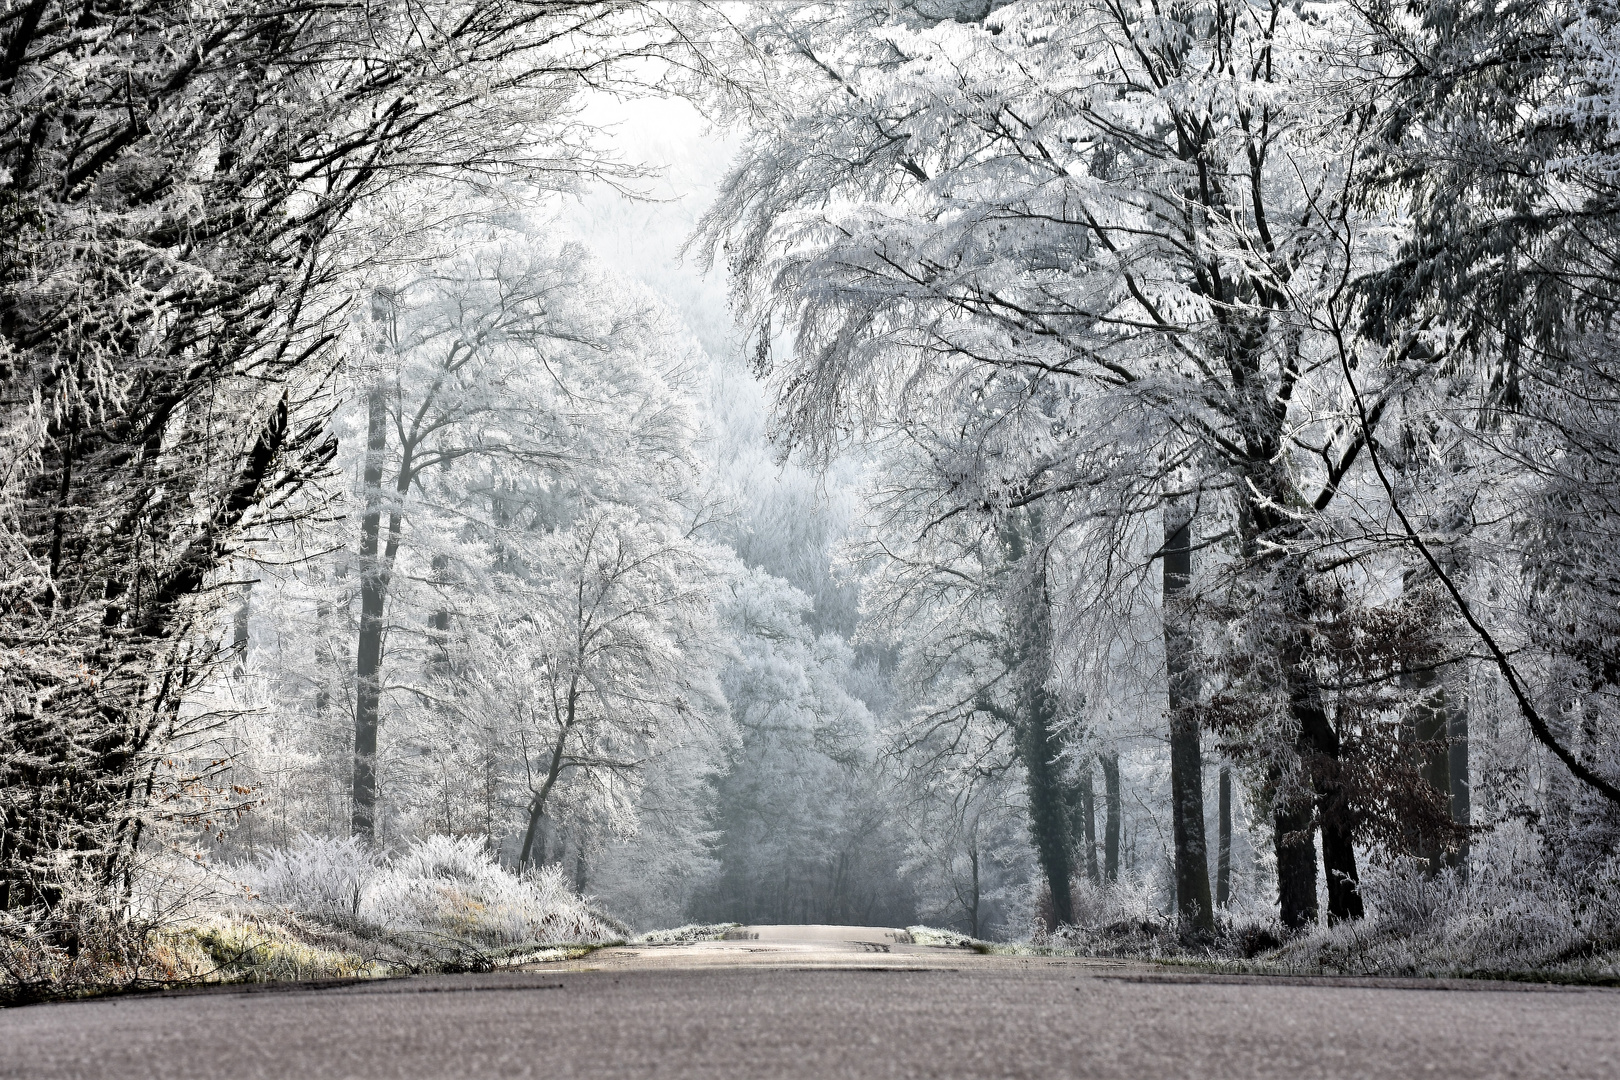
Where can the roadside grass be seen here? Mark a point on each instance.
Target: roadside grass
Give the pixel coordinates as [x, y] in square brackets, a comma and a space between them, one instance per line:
[255, 950]
[325, 909]
[1514, 924]
[950, 939]
[685, 935]
[1305, 955]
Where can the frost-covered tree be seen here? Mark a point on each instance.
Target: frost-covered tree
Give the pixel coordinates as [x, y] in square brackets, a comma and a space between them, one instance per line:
[504, 379]
[1500, 145]
[1007, 216]
[802, 829]
[525, 530]
[601, 662]
[968, 856]
[180, 179]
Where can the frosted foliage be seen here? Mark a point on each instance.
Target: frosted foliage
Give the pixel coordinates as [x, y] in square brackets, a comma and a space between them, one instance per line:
[541, 531]
[1149, 488]
[801, 809]
[195, 193]
[1069, 272]
[1132, 899]
[442, 885]
[320, 877]
[1505, 919]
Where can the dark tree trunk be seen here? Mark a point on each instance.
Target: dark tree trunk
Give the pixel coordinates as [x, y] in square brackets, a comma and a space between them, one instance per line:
[1457, 706]
[1294, 819]
[539, 826]
[1319, 748]
[1035, 710]
[1049, 826]
[537, 833]
[1294, 832]
[1461, 792]
[973, 900]
[1088, 824]
[1317, 793]
[1426, 726]
[239, 631]
[1424, 731]
[368, 653]
[1223, 864]
[1037, 721]
[1111, 810]
[1186, 756]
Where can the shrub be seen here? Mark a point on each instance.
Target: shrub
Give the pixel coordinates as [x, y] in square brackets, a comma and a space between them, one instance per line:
[443, 887]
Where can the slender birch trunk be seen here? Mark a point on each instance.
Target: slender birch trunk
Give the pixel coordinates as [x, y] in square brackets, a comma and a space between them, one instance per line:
[368, 651]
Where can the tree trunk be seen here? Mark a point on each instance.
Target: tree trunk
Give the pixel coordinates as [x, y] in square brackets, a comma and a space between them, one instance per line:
[973, 909]
[1339, 858]
[1223, 865]
[368, 653]
[1047, 810]
[1455, 685]
[1426, 728]
[239, 631]
[1088, 824]
[1048, 820]
[1294, 824]
[1423, 731]
[1457, 767]
[1319, 748]
[539, 827]
[537, 832]
[1111, 809]
[1295, 839]
[1319, 785]
[1186, 756]
[1035, 712]
[1457, 705]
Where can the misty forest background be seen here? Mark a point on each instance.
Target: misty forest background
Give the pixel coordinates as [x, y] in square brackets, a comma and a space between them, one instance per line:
[1103, 475]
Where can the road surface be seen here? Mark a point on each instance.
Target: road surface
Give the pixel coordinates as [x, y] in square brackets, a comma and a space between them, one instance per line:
[826, 1002]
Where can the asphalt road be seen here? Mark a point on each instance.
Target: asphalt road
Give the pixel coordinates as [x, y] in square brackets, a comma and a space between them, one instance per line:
[821, 1002]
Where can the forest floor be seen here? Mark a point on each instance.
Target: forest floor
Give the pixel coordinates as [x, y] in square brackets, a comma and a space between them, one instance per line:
[824, 1002]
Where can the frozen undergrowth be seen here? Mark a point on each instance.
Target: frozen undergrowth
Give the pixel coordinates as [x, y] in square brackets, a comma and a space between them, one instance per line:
[321, 909]
[1513, 922]
[1510, 923]
[441, 889]
[187, 923]
[948, 939]
[683, 935]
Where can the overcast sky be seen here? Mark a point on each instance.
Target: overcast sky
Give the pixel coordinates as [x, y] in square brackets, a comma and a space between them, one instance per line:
[642, 239]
